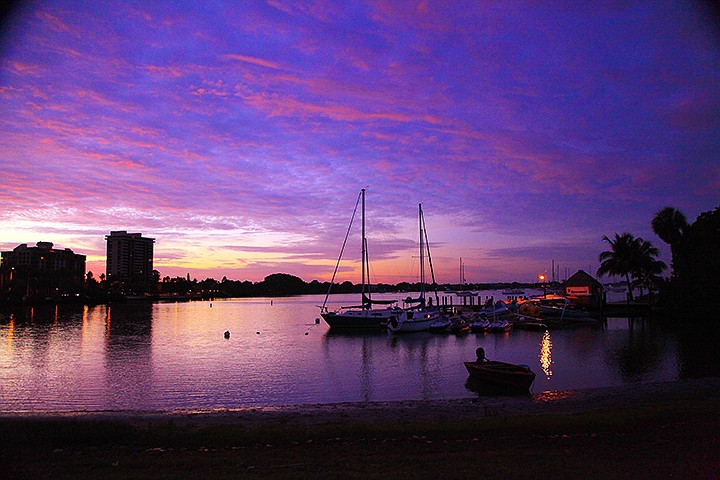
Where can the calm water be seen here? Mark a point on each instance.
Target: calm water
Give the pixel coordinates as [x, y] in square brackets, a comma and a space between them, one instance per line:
[168, 356]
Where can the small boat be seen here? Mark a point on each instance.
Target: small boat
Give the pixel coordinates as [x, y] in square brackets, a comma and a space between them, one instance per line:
[505, 377]
[479, 324]
[499, 325]
[513, 291]
[530, 325]
[442, 324]
[467, 294]
[459, 326]
[497, 308]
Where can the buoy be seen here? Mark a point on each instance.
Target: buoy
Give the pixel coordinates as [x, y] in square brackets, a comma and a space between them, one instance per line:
[306, 333]
[317, 321]
[227, 334]
[257, 333]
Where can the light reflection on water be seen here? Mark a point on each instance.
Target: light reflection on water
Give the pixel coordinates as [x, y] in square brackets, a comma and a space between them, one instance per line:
[546, 354]
[168, 356]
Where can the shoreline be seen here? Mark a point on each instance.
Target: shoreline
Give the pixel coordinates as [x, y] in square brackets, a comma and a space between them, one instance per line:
[565, 402]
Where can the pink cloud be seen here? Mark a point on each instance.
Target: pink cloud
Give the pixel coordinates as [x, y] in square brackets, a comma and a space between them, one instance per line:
[253, 61]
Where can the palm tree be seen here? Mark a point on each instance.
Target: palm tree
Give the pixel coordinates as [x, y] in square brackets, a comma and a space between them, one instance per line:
[670, 225]
[633, 258]
[620, 259]
[648, 268]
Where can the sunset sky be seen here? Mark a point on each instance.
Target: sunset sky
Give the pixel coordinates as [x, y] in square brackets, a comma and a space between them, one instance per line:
[238, 134]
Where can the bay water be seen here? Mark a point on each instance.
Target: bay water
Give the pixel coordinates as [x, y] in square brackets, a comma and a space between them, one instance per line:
[174, 356]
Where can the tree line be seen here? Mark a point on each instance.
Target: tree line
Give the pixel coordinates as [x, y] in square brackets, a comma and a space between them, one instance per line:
[694, 273]
[695, 260]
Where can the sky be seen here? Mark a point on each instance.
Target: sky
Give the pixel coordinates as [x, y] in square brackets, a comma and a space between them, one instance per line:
[238, 134]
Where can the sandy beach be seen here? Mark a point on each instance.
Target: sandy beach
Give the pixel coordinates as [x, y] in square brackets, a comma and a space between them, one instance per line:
[649, 430]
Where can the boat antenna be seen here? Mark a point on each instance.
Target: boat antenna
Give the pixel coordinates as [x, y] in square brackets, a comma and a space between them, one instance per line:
[342, 249]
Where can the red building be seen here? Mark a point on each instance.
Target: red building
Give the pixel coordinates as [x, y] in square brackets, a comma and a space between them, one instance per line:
[583, 290]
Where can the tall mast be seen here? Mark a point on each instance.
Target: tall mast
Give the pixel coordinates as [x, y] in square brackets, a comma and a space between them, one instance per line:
[462, 274]
[422, 255]
[363, 246]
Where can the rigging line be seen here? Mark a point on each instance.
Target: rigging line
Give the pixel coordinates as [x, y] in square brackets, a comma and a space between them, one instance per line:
[342, 249]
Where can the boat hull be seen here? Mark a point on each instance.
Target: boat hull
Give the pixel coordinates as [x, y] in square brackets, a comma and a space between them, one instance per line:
[500, 375]
[440, 325]
[359, 319]
[412, 322]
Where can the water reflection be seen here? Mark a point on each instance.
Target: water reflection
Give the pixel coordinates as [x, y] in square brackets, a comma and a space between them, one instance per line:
[636, 354]
[166, 356]
[546, 354]
[128, 353]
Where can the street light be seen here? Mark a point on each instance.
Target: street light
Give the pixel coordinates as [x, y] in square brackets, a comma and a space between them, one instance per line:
[541, 277]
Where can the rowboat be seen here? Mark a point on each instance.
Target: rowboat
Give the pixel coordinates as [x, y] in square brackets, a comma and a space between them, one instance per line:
[506, 377]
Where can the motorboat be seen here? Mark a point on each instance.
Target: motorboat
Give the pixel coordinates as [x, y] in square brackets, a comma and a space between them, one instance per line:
[499, 325]
[479, 324]
[506, 377]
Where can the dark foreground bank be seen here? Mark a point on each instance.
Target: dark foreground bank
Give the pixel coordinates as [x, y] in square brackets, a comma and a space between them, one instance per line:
[663, 430]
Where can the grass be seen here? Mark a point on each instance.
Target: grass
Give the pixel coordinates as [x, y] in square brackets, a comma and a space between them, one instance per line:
[664, 440]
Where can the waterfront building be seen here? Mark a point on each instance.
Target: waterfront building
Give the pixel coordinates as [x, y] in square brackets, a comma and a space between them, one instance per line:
[41, 269]
[129, 256]
[583, 290]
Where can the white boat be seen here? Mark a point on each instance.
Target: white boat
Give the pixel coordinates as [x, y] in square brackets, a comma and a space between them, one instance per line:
[513, 291]
[494, 309]
[418, 318]
[361, 316]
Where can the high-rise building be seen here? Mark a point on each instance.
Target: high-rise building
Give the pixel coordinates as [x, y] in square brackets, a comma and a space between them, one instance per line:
[129, 256]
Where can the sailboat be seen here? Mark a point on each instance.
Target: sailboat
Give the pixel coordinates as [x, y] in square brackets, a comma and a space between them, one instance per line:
[420, 317]
[361, 316]
[464, 293]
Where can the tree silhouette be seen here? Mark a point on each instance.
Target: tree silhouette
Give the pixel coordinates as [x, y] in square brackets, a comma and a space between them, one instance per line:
[670, 225]
[632, 258]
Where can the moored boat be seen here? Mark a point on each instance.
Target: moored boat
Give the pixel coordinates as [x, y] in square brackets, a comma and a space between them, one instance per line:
[506, 377]
[479, 324]
[419, 317]
[361, 316]
[499, 325]
[441, 324]
[530, 325]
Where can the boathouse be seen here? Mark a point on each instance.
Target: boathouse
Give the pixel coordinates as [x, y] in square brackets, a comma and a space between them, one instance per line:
[583, 290]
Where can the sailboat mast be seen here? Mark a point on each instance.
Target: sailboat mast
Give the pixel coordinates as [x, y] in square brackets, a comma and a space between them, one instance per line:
[363, 261]
[462, 274]
[427, 248]
[422, 255]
